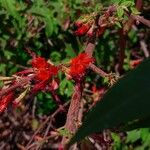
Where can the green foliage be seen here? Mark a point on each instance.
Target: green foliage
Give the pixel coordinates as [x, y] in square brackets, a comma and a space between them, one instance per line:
[45, 103]
[138, 136]
[138, 139]
[116, 141]
[120, 105]
[66, 87]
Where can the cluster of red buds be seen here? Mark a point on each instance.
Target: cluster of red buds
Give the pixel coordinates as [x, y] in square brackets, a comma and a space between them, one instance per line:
[42, 76]
[84, 26]
[89, 27]
[95, 24]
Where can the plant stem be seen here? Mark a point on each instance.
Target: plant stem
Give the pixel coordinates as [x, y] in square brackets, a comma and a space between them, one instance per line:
[98, 70]
[139, 4]
[21, 84]
[73, 112]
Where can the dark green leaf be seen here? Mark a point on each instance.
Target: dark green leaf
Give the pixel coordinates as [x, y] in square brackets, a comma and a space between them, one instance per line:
[142, 123]
[127, 100]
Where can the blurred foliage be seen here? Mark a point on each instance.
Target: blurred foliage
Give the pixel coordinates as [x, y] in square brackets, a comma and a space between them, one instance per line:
[138, 139]
[46, 28]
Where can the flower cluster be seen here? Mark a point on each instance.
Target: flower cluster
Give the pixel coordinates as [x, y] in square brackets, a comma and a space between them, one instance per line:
[95, 25]
[44, 70]
[87, 26]
[79, 64]
[29, 81]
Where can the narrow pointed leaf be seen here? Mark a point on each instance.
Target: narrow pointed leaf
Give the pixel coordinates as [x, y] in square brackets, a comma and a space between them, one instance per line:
[127, 100]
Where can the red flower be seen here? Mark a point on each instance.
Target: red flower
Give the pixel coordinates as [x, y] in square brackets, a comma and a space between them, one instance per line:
[53, 70]
[82, 30]
[44, 70]
[39, 62]
[5, 101]
[47, 73]
[79, 64]
[43, 74]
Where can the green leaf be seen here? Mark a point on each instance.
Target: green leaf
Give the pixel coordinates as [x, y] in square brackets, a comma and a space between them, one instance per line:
[8, 54]
[118, 24]
[133, 136]
[116, 141]
[127, 100]
[46, 16]
[49, 26]
[145, 133]
[134, 11]
[9, 5]
[69, 50]
[120, 12]
[127, 3]
[66, 87]
[2, 68]
[55, 56]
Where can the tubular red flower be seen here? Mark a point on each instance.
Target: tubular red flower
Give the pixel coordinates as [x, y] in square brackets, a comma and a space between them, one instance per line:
[46, 73]
[82, 30]
[5, 101]
[79, 64]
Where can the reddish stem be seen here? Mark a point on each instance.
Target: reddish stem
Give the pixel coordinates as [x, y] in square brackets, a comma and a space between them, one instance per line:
[98, 70]
[91, 41]
[139, 4]
[22, 83]
[73, 112]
